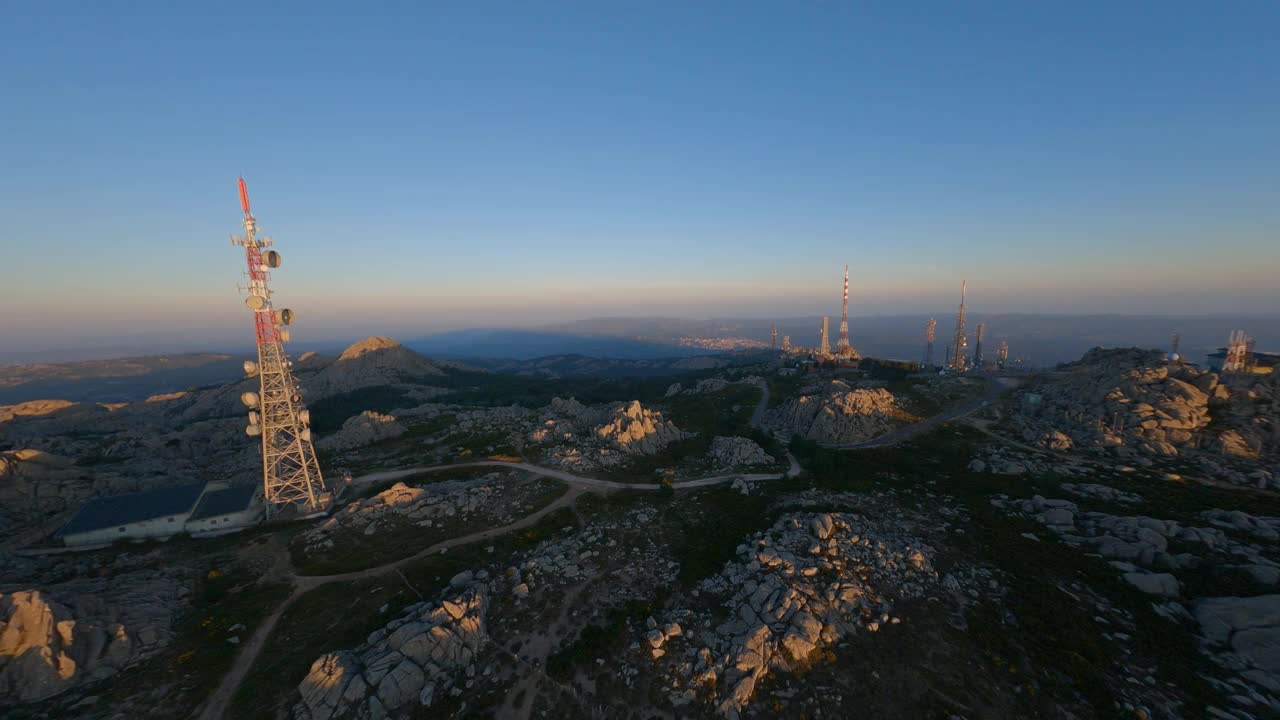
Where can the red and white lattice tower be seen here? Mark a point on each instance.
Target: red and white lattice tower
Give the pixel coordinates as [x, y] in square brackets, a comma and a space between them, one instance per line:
[959, 342]
[930, 332]
[291, 477]
[842, 343]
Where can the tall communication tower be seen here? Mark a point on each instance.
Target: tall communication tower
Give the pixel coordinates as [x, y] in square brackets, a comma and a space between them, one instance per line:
[960, 343]
[842, 343]
[930, 332]
[786, 343]
[1175, 342]
[773, 337]
[290, 473]
[824, 346]
[977, 346]
[1002, 354]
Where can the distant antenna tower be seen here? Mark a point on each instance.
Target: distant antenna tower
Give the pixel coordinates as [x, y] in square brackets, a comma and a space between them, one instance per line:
[930, 332]
[290, 473]
[960, 343]
[824, 347]
[1175, 342]
[1239, 353]
[786, 343]
[977, 346]
[1002, 354]
[773, 337]
[842, 343]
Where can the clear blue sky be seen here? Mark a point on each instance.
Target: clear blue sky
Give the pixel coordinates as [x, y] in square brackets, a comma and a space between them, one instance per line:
[428, 166]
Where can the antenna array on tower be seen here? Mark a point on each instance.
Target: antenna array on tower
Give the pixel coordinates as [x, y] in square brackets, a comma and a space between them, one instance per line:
[290, 472]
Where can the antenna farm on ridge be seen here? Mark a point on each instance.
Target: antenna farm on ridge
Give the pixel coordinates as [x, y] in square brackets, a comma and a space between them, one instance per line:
[290, 472]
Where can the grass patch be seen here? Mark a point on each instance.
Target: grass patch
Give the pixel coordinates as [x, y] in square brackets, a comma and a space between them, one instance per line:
[328, 414]
[341, 615]
[191, 669]
[399, 537]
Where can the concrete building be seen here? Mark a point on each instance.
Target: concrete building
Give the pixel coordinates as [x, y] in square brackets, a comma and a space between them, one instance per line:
[162, 513]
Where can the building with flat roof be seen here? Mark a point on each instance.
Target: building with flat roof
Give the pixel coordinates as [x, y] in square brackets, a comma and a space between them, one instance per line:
[224, 509]
[200, 510]
[159, 513]
[1261, 363]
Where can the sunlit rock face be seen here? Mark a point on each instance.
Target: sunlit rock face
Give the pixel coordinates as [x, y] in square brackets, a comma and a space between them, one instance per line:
[408, 664]
[83, 631]
[802, 585]
[835, 413]
[1129, 401]
[589, 437]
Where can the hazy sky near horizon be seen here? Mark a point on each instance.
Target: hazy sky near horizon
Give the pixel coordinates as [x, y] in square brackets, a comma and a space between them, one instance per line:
[426, 166]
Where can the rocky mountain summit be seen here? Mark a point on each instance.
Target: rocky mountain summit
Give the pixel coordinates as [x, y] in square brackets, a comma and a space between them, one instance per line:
[372, 362]
[835, 413]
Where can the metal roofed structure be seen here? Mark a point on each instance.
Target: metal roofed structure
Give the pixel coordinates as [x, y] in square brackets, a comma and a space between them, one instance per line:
[225, 501]
[155, 513]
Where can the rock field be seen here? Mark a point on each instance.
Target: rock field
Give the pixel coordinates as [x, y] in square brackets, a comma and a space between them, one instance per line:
[428, 651]
[805, 583]
[1129, 402]
[84, 630]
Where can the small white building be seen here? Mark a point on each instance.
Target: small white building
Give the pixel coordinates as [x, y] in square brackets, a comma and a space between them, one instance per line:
[223, 509]
[200, 510]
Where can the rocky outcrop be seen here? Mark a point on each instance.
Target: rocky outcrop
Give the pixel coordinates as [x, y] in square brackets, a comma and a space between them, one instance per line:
[364, 429]
[1131, 402]
[410, 663]
[590, 437]
[1242, 634]
[731, 452]
[1144, 545]
[807, 582]
[835, 413]
[52, 639]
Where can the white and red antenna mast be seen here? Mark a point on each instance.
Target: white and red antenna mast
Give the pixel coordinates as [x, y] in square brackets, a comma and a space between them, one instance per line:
[291, 477]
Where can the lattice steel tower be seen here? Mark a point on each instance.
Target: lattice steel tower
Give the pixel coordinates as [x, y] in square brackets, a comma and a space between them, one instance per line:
[1002, 354]
[959, 342]
[290, 473]
[824, 345]
[842, 343]
[773, 337]
[977, 346]
[930, 332]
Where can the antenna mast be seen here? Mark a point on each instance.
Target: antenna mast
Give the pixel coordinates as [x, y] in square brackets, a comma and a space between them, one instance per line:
[959, 343]
[930, 332]
[290, 472]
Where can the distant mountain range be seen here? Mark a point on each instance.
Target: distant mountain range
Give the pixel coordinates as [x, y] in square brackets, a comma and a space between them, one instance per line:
[631, 347]
[518, 344]
[1041, 340]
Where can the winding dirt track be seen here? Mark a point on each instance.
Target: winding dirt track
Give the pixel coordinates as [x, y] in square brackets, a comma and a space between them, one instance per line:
[215, 707]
